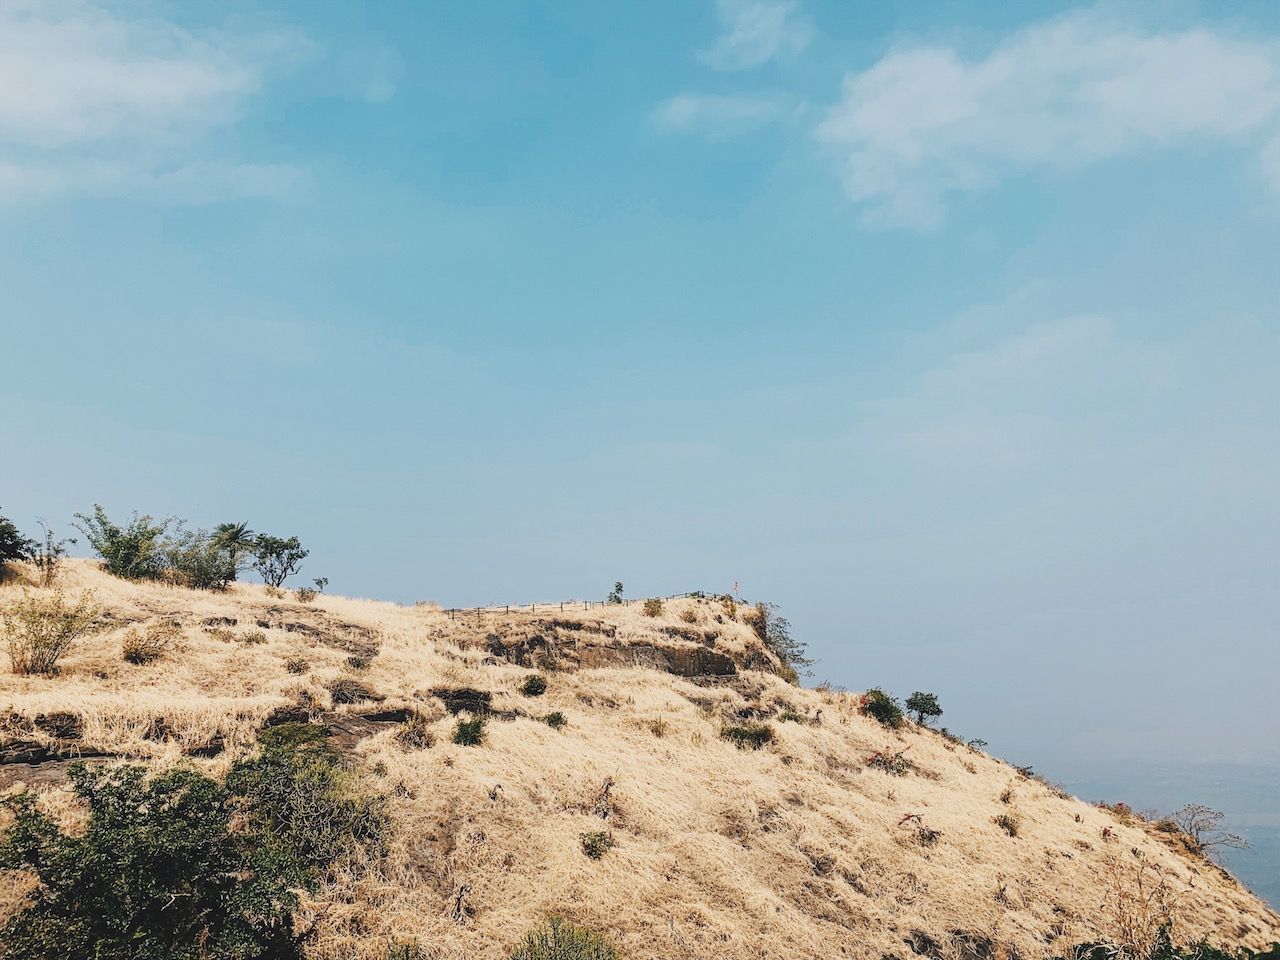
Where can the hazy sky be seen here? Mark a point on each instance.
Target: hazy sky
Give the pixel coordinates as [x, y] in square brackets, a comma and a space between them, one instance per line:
[951, 327]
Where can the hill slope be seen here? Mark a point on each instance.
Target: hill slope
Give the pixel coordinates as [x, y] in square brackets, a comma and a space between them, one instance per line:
[796, 850]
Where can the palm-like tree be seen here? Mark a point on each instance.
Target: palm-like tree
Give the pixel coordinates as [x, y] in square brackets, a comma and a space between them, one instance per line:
[237, 540]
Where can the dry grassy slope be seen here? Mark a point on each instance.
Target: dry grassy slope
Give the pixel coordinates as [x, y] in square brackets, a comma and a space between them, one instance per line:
[794, 851]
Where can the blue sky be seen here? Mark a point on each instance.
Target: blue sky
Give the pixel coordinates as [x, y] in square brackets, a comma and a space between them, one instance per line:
[951, 327]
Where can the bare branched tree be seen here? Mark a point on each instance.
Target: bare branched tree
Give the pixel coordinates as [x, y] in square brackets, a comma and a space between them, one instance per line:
[1204, 826]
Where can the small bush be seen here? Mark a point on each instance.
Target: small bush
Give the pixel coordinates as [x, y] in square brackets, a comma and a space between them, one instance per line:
[615, 598]
[350, 690]
[1006, 795]
[305, 594]
[357, 662]
[297, 665]
[927, 836]
[555, 720]
[534, 685]
[48, 555]
[252, 638]
[1008, 822]
[894, 764]
[659, 727]
[560, 940]
[749, 736]
[38, 630]
[790, 716]
[653, 607]
[415, 734]
[144, 646]
[689, 616]
[597, 843]
[470, 733]
[881, 707]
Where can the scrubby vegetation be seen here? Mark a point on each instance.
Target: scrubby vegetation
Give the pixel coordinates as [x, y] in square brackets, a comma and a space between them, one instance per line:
[560, 940]
[534, 685]
[774, 630]
[181, 866]
[39, 629]
[470, 733]
[597, 843]
[141, 646]
[145, 549]
[748, 736]
[881, 707]
[653, 607]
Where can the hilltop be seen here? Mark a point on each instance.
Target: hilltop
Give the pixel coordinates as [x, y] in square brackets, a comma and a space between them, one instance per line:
[838, 836]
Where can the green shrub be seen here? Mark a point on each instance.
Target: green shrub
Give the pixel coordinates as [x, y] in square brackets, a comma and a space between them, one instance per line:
[305, 809]
[134, 551]
[881, 707]
[615, 597]
[555, 720]
[470, 733]
[748, 736]
[38, 630]
[790, 716]
[597, 843]
[560, 940]
[161, 870]
[925, 706]
[357, 662]
[534, 685]
[653, 607]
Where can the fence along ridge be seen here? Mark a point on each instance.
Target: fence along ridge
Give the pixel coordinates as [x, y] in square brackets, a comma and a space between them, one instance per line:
[567, 606]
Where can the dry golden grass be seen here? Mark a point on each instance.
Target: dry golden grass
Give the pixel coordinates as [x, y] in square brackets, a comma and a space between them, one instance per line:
[797, 850]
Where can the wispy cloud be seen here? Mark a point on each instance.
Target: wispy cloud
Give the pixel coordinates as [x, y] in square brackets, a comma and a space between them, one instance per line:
[721, 115]
[93, 101]
[925, 122]
[757, 31]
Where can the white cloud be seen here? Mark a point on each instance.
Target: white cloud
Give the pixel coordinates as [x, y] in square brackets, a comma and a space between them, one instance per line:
[95, 102]
[756, 31]
[718, 115]
[925, 122]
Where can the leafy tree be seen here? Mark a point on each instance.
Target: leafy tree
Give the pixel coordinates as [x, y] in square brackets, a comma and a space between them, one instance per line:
[134, 551]
[925, 706]
[277, 558]
[615, 598]
[13, 545]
